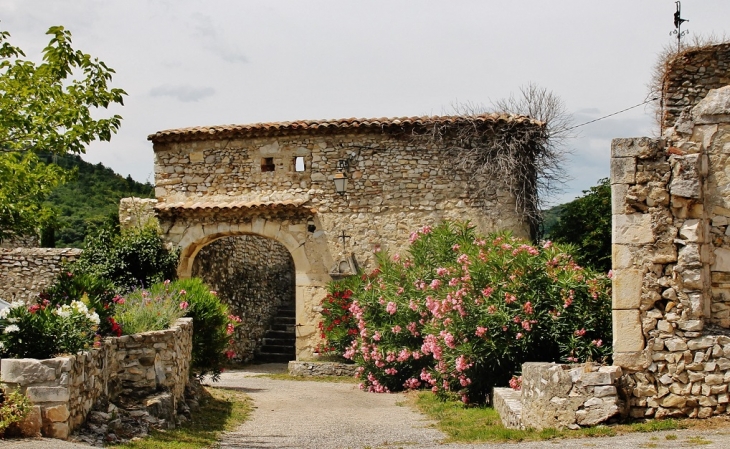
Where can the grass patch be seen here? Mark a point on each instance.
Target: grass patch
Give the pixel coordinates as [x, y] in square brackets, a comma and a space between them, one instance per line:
[331, 379]
[482, 424]
[221, 411]
[698, 440]
[475, 424]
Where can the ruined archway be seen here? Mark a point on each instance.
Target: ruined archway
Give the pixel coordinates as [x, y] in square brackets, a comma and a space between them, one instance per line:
[255, 277]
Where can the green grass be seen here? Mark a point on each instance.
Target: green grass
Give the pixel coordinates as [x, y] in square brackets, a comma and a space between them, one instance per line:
[482, 424]
[221, 411]
[698, 440]
[332, 379]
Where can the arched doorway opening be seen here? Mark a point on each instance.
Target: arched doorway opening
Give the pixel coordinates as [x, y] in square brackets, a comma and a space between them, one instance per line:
[255, 277]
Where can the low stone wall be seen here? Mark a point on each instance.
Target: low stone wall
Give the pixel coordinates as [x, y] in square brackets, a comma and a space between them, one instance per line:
[561, 396]
[25, 272]
[130, 367]
[318, 369]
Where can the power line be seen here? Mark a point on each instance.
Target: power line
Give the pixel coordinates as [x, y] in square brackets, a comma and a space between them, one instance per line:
[612, 114]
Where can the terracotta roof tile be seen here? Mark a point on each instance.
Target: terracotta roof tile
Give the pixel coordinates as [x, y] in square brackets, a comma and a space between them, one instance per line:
[229, 205]
[392, 124]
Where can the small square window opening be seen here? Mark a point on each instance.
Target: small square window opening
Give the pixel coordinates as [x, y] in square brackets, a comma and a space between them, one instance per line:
[267, 164]
[299, 164]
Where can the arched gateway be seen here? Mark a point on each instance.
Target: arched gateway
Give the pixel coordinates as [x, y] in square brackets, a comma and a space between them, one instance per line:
[275, 181]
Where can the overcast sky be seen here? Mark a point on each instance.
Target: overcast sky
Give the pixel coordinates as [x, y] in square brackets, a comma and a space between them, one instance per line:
[193, 63]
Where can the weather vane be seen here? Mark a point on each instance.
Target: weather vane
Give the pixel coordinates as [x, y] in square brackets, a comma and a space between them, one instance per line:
[678, 26]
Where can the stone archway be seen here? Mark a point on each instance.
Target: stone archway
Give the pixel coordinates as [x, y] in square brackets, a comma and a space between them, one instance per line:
[255, 277]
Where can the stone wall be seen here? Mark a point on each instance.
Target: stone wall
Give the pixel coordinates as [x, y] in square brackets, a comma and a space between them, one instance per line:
[126, 368]
[253, 276]
[136, 212]
[233, 180]
[690, 76]
[319, 369]
[671, 285]
[25, 272]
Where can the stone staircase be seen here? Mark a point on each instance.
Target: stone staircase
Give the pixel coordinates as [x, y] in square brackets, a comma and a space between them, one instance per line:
[280, 338]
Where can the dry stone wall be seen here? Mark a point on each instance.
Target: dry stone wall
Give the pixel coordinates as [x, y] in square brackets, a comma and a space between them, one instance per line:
[25, 272]
[253, 276]
[671, 285]
[690, 76]
[125, 368]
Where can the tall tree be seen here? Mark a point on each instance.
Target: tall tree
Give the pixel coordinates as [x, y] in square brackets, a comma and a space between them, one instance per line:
[586, 223]
[48, 107]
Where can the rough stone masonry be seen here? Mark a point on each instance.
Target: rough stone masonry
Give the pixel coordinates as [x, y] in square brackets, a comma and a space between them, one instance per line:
[275, 180]
[671, 264]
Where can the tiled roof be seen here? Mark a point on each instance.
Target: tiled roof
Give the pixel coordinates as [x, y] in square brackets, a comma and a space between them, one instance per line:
[230, 205]
[393, 124]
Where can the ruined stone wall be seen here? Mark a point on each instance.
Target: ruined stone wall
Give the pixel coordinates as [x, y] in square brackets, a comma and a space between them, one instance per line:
[25, 272]
[690, 76]
[136, 212]
[253, 276]
[64, 389]
[671, 206]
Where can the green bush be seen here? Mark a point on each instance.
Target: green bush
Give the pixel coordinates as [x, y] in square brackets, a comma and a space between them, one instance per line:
[213, 326]
[152, 309]
[14, 406]
[42, 331]
[463, 312]
[134, 258]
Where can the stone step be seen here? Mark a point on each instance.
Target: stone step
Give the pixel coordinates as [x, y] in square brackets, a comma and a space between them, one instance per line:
[277, 349]
[279, 341]
[275, 358]
[283, 327]
[284, 320]
[508, 403]
[279, 334]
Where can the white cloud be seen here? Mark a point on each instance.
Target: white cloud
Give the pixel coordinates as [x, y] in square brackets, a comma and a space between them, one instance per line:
[183, 93]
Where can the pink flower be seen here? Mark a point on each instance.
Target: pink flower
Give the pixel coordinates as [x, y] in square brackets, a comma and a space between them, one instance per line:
[462, 364]
[598, 343]
[610, 274]
[528, 308]
[516, 383]
[230, 354]
[487, 292]
[491, 309]
[442, 271]
[183, 292]
[396, 257]
[518, 336]
[526, 325]
[391, 371]
[396, 329]
[391, 308]
[184, 305]
[214, 293]
[376, 336]
[435, 284]
[580, 332]
[462, 259]
[509, 298]
[481, 331]
[399, 291]
[412, 383]
[229, 328]
[547, 244]
[456, 247]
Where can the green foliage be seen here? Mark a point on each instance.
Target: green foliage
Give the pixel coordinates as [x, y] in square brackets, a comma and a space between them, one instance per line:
[42, 331]
[586, 223]
[47, 107]
[90, 198]
[150, 309]
[98, 295]
[463, 312]
[338, 326]
[25, 183]
[134, 258]
[14, 406]
[213, 327]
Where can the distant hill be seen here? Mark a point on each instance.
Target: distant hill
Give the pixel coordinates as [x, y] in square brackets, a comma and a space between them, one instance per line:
[550, 218]
[93, 197]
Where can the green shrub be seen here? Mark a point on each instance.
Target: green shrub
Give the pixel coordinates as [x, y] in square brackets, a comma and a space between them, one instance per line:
[463, 312]
[134, 258]
[14, 406]
[98, 294]
[338, 327]
[42, 331]
[213, 326]
[150, 310]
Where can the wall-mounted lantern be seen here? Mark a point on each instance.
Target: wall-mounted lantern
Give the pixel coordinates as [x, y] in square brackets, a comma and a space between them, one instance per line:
[340, 178]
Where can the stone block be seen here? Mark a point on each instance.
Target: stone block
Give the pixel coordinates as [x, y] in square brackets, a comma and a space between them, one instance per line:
[31, 425]
[675, 344]
[722, 260]
[622, 256]
[58, 413]
[618, 198]
[700, 343]
[25, 371]
[604, 391]
[686, 177]
[56, 430]
[691, 231]
[596, 378]
[627, 332]
[642, 147]
[632, 229]
[627, 288]
[623, 170]
[714, 108]
[47, 394]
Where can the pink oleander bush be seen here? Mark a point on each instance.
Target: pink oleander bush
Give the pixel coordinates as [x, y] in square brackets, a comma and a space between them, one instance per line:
[461, 312]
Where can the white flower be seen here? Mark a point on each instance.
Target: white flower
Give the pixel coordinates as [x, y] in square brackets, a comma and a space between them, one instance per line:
[16, 304]
[4, 313]
[11, 328]
[79, 307]
[94, 317]
[64, 311]
[2, 346]
[13, 320]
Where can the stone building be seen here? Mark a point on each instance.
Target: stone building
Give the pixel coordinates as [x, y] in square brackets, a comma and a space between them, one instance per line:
[263, 197]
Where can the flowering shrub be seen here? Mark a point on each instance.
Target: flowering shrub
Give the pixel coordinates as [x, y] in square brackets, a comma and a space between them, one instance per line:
[338, 327]
[150, 310]
[14, 406]
[463, 312]
[213, 327]
[42, 330]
